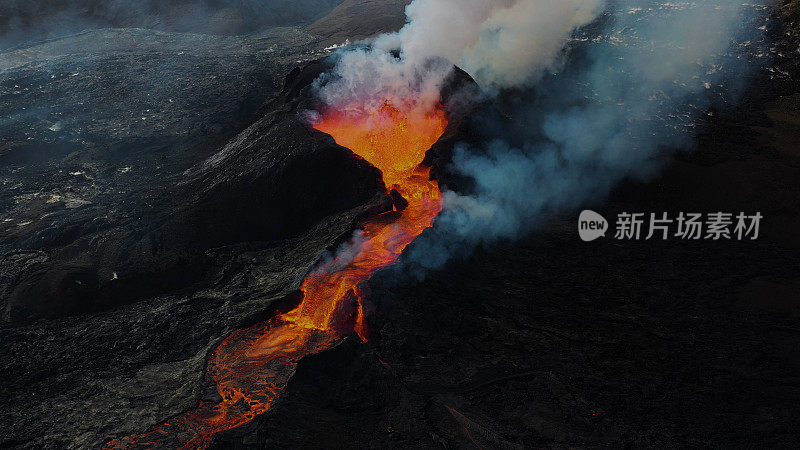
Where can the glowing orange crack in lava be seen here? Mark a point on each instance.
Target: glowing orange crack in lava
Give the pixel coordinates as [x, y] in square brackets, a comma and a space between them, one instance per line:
[252, 366]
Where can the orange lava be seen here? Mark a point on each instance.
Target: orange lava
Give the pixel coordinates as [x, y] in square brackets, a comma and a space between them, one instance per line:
[252, 366]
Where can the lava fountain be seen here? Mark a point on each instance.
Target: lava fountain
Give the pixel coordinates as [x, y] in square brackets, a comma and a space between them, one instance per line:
[252, 366]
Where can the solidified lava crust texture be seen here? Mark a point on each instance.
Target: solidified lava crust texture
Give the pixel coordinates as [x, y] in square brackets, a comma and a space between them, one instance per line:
[252, 366]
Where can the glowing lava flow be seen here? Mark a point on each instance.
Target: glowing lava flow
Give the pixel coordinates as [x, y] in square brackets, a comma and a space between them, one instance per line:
[252, 366]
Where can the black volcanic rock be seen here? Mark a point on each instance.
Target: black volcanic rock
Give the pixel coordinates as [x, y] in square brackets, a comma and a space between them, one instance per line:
[358, 19]
[273, 181]
[400, 203]
[461, 97]
[51, 291]
[208, 251]
[22, 21]
[547, 342]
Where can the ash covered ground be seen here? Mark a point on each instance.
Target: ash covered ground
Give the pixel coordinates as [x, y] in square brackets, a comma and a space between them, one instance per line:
[159, 192]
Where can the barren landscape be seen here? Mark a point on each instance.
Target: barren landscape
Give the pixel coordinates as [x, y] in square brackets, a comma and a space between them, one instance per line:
[162, 187]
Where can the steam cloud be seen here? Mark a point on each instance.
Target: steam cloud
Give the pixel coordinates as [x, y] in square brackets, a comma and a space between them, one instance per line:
[594, 104]
[501, 43]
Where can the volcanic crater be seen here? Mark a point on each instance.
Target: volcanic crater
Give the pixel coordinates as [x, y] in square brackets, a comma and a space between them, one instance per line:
[149, 280]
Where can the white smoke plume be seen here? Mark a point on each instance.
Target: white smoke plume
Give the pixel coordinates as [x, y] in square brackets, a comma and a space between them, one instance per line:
[596, 104]
[501, 43]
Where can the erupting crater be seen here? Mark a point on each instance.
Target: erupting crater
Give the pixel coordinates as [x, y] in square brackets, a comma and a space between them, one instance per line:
[252, 366]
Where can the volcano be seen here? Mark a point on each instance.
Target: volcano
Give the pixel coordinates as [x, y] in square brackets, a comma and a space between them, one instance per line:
[251, 367]
[197, 252]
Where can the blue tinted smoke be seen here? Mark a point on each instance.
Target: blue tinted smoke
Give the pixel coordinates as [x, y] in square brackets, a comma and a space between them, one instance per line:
[630, 93]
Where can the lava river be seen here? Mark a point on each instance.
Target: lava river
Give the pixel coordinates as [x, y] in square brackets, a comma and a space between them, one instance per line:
[252, 366]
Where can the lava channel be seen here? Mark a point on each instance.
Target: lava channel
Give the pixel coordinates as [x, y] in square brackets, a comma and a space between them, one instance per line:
[252, 366]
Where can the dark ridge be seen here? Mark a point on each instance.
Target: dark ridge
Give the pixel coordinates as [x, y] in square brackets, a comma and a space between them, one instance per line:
[272, 182]
[24, 23]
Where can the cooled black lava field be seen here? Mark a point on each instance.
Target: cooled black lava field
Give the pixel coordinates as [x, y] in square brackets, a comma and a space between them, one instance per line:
[256, 224]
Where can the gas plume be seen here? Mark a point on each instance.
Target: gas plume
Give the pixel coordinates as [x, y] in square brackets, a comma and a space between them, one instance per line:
[630, 95]
[491, 39]
[599, 91]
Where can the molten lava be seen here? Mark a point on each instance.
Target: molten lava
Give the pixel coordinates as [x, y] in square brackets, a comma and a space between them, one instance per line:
[252, 366]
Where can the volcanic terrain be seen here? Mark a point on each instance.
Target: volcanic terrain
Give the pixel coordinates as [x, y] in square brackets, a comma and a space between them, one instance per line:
[161, 190]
